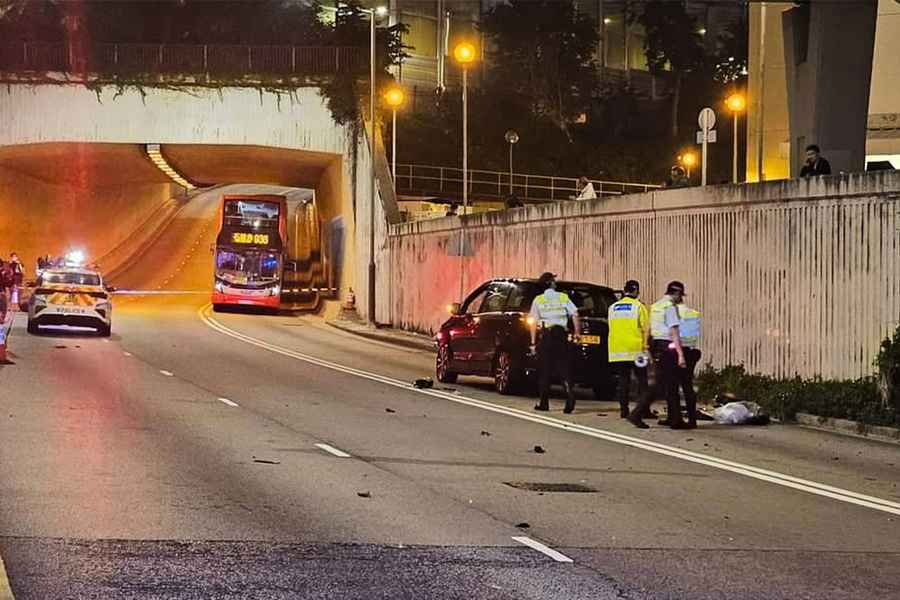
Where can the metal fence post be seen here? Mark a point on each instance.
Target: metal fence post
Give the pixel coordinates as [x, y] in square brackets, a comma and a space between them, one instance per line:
[250, 58]
[293, 59]
[115, 54]
[441, 175]
[160, 57]
[24, 54]
[205, 58]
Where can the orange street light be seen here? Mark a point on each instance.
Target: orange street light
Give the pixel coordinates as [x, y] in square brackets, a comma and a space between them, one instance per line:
[689, 160]
[736, 103]
[394, 98]
[465, 54]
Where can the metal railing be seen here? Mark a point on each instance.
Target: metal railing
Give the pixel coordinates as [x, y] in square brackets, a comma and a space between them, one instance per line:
[446, 182]
[207, 59]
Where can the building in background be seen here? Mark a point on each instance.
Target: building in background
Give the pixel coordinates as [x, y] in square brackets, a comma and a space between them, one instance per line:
[770, 134]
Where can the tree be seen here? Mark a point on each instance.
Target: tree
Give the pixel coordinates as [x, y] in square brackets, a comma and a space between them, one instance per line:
[673, 41]
[542, 51]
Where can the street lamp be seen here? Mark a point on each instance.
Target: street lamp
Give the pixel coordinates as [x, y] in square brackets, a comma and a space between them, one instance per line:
[376, 12]
[394, 98]
[689, 160]
[736, 104]
[512, 138]
[464, 53]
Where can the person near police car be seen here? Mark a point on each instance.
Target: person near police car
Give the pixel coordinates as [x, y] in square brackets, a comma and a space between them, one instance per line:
[667, 354]
[550, 314]
[690, 341]
[629, 329]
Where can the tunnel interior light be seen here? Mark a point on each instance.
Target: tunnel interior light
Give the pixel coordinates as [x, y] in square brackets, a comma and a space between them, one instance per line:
[154, 152]
[464, 53]
[75, 258]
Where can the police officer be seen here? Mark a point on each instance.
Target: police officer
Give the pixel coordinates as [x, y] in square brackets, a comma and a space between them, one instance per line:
[690, 339]
[668, 355]
[629, 328]
[550, 313]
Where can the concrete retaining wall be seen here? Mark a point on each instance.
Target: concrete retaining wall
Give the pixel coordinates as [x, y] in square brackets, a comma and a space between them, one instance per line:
[40, 218]
[792, 276]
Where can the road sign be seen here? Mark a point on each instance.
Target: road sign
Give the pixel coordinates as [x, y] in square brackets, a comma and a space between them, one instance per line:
[710, 137]
[707, 119]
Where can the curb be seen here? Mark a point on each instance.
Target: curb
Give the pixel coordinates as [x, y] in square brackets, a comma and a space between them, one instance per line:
[850, 428]
[404, 340]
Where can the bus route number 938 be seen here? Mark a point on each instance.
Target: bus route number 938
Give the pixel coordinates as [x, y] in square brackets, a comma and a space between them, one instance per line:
[250, 238]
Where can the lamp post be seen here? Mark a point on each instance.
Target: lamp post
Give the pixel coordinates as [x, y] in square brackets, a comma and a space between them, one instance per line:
[464, 53]
[736, 104]
[512, 138]
[394, 98]
[689, 160]
[380, 12]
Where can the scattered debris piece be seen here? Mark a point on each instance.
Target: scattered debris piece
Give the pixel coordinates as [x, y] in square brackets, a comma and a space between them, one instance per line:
[266, 461]
[60, 346]
[485, 433]
[601, 414]
[689, 440]
[449, 389]
[364, 494]
[424, 383]
[539, 450]
[835, 458]
[523, 525]
[389, 410]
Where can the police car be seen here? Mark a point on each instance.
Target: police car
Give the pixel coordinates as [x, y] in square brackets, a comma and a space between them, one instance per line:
[72, 296]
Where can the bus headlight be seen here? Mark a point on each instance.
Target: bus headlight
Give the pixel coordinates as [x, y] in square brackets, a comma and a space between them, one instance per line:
[219, 287]
[276, 289]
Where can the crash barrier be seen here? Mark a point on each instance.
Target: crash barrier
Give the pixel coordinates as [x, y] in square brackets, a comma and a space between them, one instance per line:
[793, 277]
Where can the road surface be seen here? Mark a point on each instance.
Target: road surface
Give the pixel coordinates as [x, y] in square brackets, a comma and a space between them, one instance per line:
[218, 455]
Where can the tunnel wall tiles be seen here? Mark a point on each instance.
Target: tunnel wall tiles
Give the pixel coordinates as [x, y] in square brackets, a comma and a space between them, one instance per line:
[793, 277]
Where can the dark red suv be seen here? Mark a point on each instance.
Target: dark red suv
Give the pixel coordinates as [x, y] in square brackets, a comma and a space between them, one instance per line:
[489, 335]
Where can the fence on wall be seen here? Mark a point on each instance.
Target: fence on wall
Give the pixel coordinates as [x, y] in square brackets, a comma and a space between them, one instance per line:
[798, 277]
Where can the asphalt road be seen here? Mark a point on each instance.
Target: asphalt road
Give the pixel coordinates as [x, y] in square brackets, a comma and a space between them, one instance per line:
[207, 455]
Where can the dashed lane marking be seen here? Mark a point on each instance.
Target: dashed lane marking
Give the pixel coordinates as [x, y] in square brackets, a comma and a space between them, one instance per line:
[127, 353]
[228, 402]
[167, 373]
[332, 450]
[536, 545]
[782, 479]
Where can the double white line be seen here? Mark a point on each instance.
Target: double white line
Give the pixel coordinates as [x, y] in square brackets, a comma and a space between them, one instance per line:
[781, 479]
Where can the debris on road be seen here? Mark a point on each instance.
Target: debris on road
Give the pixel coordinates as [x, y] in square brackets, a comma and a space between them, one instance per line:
[485, 433]
[266, 461]
[523, 525]
[741, 413]
[539, 450]
[424, 383]
[60, 346]
[364, 494]
[389, 410]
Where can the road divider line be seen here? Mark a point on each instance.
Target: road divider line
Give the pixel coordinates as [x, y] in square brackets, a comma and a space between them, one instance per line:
[228, 402]
[774, 477]
[167, 373]
[127, 353]
[536, 545]
[6, 592]
[332, 450]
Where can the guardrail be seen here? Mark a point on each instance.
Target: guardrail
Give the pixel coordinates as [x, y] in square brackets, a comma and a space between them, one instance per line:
[209, 59]
[446, 182]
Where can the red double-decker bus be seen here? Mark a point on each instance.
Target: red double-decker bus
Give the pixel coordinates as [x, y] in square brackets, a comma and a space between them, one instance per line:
[250, 251]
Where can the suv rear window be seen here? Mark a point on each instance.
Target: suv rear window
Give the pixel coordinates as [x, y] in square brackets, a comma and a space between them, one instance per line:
[591, 300]
[70, 278]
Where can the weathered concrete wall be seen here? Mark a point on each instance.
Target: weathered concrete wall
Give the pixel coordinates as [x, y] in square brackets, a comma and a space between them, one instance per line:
[798, 276]
[40, 218]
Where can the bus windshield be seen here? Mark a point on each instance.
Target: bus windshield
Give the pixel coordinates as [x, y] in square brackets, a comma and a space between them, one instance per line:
[254, 267]
[253, 214]
[70, 278]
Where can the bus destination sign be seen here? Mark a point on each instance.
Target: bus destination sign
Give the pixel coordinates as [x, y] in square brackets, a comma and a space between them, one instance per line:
[240, 237]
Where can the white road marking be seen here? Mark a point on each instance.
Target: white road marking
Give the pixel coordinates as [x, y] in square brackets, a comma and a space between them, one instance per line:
[557, 556]
[333, 450]
[5, 589]
[167, 373]
[228, 402]
[789, 481]
[127, 353]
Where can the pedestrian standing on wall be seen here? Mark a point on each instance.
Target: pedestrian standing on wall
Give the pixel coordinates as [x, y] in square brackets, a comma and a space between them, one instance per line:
[586, 189]
[815, 163]
[550, 313]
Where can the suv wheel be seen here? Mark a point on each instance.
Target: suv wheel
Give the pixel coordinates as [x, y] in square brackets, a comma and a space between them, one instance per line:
[442, 365]
[32, 327]
[104, 330]
[506, 374]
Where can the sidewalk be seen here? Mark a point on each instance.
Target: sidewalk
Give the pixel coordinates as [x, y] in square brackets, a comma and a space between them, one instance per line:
[388, 335]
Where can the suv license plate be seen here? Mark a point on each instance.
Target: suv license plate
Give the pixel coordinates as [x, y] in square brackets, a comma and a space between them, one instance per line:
[589, 339]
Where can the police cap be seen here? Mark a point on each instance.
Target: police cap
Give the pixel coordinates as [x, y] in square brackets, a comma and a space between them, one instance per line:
[546, 278]
[632, 286]
[675, 286]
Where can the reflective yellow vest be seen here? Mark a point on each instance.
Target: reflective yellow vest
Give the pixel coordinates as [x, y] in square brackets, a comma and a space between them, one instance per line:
[690, 327]
[551, 312]
[628, 322]
[658, 329]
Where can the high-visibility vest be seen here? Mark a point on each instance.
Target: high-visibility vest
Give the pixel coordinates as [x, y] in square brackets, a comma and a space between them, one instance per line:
[552, 312]
[689, 331]
[627, 330]
[658, 329]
